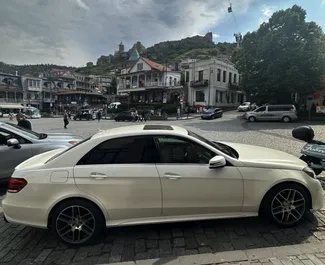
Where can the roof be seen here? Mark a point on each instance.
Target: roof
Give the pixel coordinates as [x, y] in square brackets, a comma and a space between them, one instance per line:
[134, 55]
[156, 66]
[139, 130]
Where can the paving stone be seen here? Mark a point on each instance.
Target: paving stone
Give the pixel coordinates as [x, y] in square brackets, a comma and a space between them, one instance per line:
[140, 245]
[152, 243]
[128, 253]
[42, 257]
[67, 256]
[179, 242]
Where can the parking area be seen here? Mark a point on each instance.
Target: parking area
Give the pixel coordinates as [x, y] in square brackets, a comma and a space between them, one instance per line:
[23, 245]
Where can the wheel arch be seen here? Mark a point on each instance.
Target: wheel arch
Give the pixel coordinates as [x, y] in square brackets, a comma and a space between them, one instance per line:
[260, 208]
[56, 205]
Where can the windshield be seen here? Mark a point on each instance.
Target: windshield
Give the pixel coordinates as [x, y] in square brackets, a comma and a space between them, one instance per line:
[30, 133]
[66, 150]
[209, 111]
[220, 146]
[245, 104]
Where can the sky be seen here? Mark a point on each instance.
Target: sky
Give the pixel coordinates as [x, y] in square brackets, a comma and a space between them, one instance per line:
[74, 32]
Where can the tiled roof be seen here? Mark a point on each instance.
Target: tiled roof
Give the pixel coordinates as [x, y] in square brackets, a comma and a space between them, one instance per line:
[156, 66]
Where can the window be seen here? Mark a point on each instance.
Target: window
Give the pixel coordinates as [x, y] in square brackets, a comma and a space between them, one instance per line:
[9, 135]
[235, 78]
[200, 75]
[219, 75]
[280, 108]
[139, 66]
[176, 150]
[233, 97]
[224, 76]
[221, 97]
[30, 83]
[261, 109]
[187, 74]
[230, 77]
[124, 150]
[199, 96]
[217, 96]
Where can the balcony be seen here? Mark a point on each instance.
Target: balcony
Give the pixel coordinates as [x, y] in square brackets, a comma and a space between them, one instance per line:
[148, 85]
[199, 83]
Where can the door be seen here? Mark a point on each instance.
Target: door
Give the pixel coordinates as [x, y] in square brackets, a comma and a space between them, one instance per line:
[189, 186]
[121, 173]
[10, 156]
[261, 114]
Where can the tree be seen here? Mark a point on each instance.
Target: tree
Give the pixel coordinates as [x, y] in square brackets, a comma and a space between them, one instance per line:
[113, 88]
[285, 55]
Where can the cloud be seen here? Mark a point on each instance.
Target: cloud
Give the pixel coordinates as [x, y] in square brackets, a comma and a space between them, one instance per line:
[267, 12]
[215, 37]
[72, 32]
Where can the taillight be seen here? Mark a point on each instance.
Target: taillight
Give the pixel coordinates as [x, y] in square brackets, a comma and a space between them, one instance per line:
[15, 185]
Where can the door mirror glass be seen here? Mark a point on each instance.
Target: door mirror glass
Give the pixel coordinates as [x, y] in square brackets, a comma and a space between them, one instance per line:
[217, 161]
[13, 142]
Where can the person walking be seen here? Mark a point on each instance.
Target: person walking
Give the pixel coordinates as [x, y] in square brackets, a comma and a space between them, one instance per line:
[99, 115]
[65, 119]
[22, 122]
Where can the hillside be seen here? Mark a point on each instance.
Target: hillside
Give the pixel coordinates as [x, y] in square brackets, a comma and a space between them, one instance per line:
[167, 52]
[32, 69]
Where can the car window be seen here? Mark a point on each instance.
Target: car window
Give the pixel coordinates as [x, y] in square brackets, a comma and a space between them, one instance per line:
[6, 135]
[124, 150]
[176, 150]
[281, 108]
[29, 133]
[261, 109]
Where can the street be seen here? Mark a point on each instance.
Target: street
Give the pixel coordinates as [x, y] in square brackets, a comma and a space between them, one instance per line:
[247, 239]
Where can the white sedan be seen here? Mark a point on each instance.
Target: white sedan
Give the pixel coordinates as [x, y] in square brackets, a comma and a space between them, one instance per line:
[153, 174]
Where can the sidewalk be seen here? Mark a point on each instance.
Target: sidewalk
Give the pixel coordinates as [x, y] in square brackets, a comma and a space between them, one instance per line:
[302, 254]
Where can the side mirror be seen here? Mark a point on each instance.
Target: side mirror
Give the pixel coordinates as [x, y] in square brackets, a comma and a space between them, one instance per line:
[217, 161]
[13, 142]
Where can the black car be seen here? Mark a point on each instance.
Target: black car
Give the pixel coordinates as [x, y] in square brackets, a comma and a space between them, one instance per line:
[85, 115]
[124, 116]
[211, 113]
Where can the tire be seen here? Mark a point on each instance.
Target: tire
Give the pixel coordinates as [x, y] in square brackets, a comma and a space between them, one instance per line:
[277, 213]
[286, 119]
[251, 119]
[94, 223]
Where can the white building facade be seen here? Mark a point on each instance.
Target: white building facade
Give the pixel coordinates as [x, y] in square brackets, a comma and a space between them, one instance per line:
[213, 82]
[147, 81]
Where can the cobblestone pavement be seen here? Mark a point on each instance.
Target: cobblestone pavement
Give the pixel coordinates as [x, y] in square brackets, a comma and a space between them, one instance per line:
[23, 245]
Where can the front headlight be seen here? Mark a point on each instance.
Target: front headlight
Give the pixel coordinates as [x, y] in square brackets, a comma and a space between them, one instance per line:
[309, 172]
[73, 142]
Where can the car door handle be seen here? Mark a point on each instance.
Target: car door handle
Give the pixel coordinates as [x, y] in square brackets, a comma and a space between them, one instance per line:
[97, 175]
[172, 176]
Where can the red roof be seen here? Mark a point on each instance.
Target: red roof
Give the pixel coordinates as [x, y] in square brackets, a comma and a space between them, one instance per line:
[156, 66]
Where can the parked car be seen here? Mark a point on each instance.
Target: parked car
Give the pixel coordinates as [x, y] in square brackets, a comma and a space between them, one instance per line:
[18, 144]
[246, 106]
[285, 113]
[85, 115]
[156, 173]
[211, 113]
[124, 116]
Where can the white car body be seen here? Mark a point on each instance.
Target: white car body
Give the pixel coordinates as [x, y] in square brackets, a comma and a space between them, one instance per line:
[129, 194]
[246, 106]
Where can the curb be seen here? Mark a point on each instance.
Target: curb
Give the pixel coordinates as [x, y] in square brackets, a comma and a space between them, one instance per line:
[235, 255]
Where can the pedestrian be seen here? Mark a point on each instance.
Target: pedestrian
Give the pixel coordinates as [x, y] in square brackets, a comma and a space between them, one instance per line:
[144, 115]
[99, 115]
[188, 110]
[178, 113]
[22, 122]
[65, 119]
[69, 115]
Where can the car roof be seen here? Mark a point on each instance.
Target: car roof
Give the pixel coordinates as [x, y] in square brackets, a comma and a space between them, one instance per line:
[142, 130]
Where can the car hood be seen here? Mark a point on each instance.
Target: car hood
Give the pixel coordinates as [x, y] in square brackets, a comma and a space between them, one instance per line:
[257, 156]
[53, 137]
[38, 160]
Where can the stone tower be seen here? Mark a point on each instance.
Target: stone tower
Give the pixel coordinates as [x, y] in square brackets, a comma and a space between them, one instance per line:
[121, 48]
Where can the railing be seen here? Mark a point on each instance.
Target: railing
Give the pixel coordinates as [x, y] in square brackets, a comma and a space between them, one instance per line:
[150, 84]
[199, 83]
[11, 100]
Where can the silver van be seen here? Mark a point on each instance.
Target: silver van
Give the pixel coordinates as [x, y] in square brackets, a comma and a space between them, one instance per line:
[285, 113]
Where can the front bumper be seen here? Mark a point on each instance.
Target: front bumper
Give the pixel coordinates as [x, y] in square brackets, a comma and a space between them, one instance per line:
[317, 195]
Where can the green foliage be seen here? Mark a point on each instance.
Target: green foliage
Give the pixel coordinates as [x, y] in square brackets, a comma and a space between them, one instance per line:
[285, 55]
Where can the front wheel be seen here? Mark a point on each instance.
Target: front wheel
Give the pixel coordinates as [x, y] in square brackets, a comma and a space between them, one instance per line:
[286, 204]
[286, 119]
[78, 222]
[252, 119]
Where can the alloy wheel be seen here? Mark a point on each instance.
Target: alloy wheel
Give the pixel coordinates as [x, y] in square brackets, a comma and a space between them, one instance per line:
[75, 224]
[288, 206]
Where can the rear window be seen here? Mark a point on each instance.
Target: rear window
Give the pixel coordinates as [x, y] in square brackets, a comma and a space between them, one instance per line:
[68, 149]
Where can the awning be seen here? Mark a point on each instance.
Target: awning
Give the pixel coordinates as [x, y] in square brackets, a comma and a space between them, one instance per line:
[10, 106]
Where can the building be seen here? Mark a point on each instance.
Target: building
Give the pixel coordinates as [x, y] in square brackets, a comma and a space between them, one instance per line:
[32, 87]
[147, 81]
[11, 90]
[214, 82]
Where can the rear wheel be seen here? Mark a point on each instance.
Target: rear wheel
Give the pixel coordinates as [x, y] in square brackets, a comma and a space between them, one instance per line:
[286, 204]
